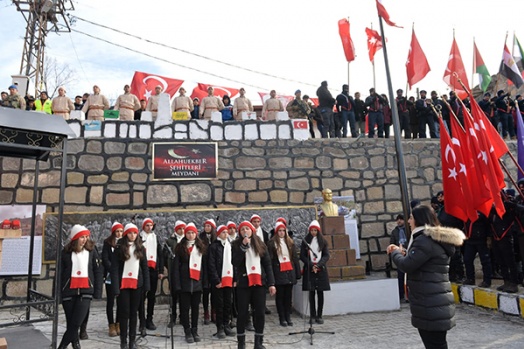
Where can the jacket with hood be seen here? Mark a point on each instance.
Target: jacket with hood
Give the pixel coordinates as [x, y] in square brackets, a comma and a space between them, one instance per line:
[427, 264]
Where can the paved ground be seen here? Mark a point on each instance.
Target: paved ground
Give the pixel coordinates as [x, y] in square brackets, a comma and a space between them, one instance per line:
[476, 328]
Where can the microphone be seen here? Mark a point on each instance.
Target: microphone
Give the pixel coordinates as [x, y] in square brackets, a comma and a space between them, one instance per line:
[310, 249]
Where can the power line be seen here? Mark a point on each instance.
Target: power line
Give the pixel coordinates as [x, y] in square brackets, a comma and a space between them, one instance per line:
[192, 53]
[166, 61]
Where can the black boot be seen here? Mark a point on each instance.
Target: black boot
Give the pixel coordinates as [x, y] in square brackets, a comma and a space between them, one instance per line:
[221, 334]
[241, 342]
[189, 335]
[76, 344]
[258, 342]
[83, 331]
[282, 320]
[288, 319]
[62, 346]
[150, 325]
[196, 337]
[123, 346]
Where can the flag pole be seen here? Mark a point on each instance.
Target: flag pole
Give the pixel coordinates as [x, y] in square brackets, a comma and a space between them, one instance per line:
[373, 62]
[348, 63]
[473, 67]
[396, 130]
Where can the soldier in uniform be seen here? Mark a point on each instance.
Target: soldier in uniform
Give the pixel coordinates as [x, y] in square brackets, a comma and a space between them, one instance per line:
[241, 104]
[95, 105]
[182, 103]
[210, 104]
[62, 105]
[43, 104]
[14, 100]
[271, 107]
[298, 109]
[4, 97]
[127, 104]
[152, 102]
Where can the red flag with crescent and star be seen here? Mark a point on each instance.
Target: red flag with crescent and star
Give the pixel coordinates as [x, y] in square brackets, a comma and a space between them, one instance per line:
[382, 12]
[143, 85]
[374, 43]
[455, 70]
[417, 66]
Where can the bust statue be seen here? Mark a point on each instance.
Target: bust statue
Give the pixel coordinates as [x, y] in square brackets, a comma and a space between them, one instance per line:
[329, 209]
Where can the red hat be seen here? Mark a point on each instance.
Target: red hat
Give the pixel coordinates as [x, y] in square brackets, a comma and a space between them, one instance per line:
[231, 225]
[255, 216]
[147, 220]
[130, 228]
[314, 224]
[115, 226]
[247, 224]
[279, 225]
[77, 231]
[180, 224]
[190, 227]
[6, 224]
[16, 224]
[221, 228]
[211, 222]
[282, 219]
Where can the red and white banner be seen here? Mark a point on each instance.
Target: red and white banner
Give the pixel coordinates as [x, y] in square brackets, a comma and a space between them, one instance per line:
[455, 70]
[345, 36]
[417, 66]
[374, 43]
[143, 85]
[384, 14]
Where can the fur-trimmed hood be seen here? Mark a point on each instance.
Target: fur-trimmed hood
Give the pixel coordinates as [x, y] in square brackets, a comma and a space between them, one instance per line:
[445, 235]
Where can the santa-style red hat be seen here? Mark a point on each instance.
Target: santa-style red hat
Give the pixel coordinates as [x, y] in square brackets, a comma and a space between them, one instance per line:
[255, 216]
[180, 225]
[221, 228]
[78, 231]
[246, 224]
[279, 225]
[314, 224]
[190, 227]
[6, 224]
[130, 228]
[16, 224]
[147, 220]
[211, 222]
[231, 225]
[115, 226]
[282, 219]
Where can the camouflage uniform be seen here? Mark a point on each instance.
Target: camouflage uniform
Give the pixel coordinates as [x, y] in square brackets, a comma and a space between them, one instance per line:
[14, 101]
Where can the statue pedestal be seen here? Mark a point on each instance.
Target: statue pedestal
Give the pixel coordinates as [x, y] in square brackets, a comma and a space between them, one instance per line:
[342, 264]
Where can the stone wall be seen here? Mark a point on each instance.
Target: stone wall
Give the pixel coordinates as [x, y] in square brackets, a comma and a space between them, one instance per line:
[114, 174]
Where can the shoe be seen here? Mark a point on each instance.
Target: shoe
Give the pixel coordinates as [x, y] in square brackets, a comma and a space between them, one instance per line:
[171, 324]
[221, 334]
[319, 320]
[142, 331]
[258, 342]
[76, 344]
[123, 346]
[288, 320]
[503, 286]
[485, 284]
[150, 325]
[117, 328]
[229, 331]
[283, 322]
[196, 337]
[268, 311]
[83, 333]
[112, 330]
[206, 318]
[232, 324]
[511, 288]
[241, 342]
[189, 336]
[469, 282]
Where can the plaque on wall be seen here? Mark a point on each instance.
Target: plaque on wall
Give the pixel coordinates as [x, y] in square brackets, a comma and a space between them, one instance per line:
[175, 161]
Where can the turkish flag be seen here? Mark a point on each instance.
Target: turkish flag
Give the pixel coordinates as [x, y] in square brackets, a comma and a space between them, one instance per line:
[384, 14]
[455, 70]
[417, 66]
[198, 93]
[143, 85]
[219, 91]
[499, 146]
[345, 36]
[374, 43]
[301, 124]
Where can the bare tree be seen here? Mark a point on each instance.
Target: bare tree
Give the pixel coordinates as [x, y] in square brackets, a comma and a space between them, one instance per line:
[56, 75]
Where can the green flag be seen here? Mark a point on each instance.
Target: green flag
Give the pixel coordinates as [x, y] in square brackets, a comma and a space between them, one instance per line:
[481, 69]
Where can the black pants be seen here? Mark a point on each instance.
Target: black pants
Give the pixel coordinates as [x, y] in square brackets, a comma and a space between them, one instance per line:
[189, 301]
[150, 295]
[404, 124]
[470, 251]
[110, 305]
[175, 297]
[128, 302]
[434, 339]
[256, 296]
[505, 256]
[75, 310]
[206, 292]
[283, 300]
[400, 278]
[316, 311]
[222, 299]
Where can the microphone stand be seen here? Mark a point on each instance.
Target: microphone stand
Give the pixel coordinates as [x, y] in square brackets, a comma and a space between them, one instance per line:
[311, 331]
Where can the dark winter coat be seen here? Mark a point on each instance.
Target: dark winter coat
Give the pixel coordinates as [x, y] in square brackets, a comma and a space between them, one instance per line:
[117, 269]
[205, 258]
[427, 265]
[95, 272]
[478, 231]
[239, 264]
[320, 280]
[180, 275]
[284, 277]
[107, 255]
[216, 261]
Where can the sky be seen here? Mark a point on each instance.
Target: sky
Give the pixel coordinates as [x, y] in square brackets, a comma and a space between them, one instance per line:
[295, 41]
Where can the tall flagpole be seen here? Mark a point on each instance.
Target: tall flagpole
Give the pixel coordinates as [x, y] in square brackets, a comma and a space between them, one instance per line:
[396, 129]
[348, 63]
[473, 70]
[373, 63]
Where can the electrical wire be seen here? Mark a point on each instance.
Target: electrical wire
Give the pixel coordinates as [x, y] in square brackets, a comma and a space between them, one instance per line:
[192, 53]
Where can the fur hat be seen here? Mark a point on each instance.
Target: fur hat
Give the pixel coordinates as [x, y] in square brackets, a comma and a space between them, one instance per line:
[255, 216]
[282, 219]
[16, 224]
[279, 225]
[77, 231]
[6, 224]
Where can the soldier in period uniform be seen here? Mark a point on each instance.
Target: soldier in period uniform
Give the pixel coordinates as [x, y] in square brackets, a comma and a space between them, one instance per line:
[152, 102]
[127, 104]
[242, 104]
[209, 104]
[62, 105]
[182, 103]
[95, 105]
[271, 107]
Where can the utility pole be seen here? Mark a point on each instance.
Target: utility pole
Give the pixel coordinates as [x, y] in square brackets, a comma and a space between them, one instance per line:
[42, 17]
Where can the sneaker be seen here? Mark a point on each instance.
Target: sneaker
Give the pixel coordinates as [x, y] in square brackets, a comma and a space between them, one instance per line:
[485, 284]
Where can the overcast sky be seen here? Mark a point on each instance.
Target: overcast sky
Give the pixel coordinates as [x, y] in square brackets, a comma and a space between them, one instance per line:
[294, 40]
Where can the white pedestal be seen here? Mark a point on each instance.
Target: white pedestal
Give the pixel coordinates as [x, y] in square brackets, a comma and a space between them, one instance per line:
[164, 116]
[146, 116]
[282, 116]
[216, 116]
[77, 115]
[358, 296]
[251, 115]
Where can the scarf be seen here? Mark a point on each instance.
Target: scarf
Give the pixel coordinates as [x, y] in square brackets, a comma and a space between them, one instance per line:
[150, 245]
[80, 269]
[131, 268]
[315, 248]
[232, 238]
[259, 233]
[283, 258]
[253, 268]
[195, 261]
[179, 238]
[227, 266]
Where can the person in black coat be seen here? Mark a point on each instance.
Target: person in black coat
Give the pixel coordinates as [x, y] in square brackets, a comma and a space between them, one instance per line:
[129, 279]
[314, 254]
[426, 262]
[208, 235]
[187, 274]
[286, 269]
[80, 281]
[399, 238]
[117, 230]
[169, 256]
[220, 272]
[477, 234]
[253, 272]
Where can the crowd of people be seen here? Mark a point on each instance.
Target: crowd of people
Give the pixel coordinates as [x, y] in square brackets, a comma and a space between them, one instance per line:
[228, 268]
